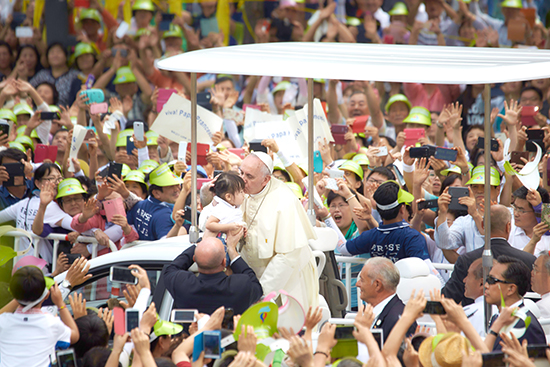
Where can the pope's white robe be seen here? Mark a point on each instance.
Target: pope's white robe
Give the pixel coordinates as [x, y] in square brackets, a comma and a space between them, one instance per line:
[276, 246]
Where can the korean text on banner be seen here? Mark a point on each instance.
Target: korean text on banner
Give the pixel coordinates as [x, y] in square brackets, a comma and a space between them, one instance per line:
[262, 125]
[79, 132]
[174, 121]
[299, 127]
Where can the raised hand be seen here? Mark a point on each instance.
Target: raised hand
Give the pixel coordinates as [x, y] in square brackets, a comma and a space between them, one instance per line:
[511, 113]
[90, 209]
[47, 194]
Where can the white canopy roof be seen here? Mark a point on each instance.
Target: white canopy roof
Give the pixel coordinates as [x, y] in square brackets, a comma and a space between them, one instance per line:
[352, 61]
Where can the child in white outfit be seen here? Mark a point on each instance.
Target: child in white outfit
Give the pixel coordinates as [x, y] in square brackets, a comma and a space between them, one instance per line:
[226, 215]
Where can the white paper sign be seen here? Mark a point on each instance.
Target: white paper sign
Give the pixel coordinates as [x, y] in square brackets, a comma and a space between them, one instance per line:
[299, 127]
[182, 151]
[174, 121]
[262, 125]
[43, 131]
[79, 132]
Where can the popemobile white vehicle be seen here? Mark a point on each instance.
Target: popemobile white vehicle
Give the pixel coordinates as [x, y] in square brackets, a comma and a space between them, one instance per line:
[152, 256]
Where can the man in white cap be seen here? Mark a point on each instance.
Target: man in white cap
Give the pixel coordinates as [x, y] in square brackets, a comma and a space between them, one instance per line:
[276, 245]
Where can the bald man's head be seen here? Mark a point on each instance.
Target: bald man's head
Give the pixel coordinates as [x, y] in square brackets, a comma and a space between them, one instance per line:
[210, 255]
[500, 221]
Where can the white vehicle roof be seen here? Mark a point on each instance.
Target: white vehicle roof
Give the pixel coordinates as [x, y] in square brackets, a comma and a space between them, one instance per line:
[165, 250]
[374, 62]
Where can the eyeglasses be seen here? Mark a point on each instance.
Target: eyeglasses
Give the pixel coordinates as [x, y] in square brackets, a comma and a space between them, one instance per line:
[373, 180]
[492, 280]
[521, 211]
[339, 206]
[77, 199]
[53, 179]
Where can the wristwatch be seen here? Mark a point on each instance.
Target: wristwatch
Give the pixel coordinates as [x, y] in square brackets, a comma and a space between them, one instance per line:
[66, 284]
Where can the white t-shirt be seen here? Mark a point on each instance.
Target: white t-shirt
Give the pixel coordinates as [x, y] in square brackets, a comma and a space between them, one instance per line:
[29, 339]
[24, 212]
[225, 212]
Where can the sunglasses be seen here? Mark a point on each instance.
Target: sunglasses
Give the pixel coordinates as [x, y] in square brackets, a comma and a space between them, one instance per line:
[492, 280]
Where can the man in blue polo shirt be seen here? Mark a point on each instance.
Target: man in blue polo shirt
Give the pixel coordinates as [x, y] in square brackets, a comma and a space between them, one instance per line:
[394, 239]
[152, 217]
[10, 195]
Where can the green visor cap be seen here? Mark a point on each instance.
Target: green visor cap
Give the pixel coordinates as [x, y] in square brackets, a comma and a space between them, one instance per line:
[22, 109]
[284, 85]
[162, 327]
[162, 176]
[125, 169]
[69, 186]
[403, 197]
[453, 169]
[135, 176]
[147, 166]
[25, 140]
[512, 4]
[361, 159]
[92, 14]
[124, 75]
[419, 115]
[7, 115]
[143, 5]
[397, 98]
[399, 9]
[121, 138]
[478, 176]
[173, 31]
[16, 145]
[82, 49]
[352, 166]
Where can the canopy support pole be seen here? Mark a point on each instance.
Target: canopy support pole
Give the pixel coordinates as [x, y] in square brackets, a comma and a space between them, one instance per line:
[487, 257]
[310, 149]
[193, 230]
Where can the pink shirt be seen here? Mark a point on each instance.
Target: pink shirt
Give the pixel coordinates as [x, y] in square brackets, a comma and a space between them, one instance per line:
[441, 95]
[97, 221]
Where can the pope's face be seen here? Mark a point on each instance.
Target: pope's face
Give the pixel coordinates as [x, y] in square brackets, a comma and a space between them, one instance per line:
[252, 173]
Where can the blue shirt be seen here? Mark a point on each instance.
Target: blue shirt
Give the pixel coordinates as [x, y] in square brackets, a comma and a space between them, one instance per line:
[151, 218]
[394, 241]
[7, 199]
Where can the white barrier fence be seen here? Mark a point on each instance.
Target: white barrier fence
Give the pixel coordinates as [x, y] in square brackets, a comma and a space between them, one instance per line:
[55, 237]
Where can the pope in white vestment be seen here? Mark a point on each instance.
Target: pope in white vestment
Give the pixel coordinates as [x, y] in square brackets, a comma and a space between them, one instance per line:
[278, 230]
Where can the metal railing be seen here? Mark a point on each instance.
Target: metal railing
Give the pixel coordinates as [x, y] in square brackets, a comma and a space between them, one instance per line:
[55, 237]
[438, 266]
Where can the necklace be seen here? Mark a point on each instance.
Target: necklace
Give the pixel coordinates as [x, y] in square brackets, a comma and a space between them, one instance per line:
[255, 214]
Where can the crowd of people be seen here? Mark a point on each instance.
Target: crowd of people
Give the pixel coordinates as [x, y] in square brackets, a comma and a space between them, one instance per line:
[404, 179]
